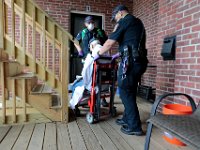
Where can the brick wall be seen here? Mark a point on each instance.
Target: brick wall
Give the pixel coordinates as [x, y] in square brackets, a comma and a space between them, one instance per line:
[147, 11]
[180, 18]
[187, 75]
[60, 9]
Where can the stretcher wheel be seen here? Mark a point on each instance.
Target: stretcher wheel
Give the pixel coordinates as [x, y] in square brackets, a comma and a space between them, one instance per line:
[90, 118]
[113, 112]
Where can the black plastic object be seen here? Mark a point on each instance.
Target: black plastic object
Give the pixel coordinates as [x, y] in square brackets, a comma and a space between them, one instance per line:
[169, 48]
[146, 92]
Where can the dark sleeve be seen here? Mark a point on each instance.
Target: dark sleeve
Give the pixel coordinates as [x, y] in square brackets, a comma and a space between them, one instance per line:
[104, 36]
[117, 32]
[79, 36]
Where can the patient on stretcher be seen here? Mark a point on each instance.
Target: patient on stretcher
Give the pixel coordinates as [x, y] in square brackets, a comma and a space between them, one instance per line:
[84, 81]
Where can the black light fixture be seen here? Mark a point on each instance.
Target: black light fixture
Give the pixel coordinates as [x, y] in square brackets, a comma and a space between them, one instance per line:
[169, 48]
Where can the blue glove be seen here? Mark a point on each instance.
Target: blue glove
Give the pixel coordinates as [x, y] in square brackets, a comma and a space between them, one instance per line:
[115, 56]
[80, 54]
[96, 57]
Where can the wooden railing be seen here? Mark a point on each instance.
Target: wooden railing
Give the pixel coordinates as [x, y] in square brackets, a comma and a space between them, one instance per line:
[33, 39]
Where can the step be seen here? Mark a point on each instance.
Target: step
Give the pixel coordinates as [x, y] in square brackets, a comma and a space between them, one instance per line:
[4, 60]
[12, 68]
[23, 76]
[41, 89]
[56, 107]
[8, 60]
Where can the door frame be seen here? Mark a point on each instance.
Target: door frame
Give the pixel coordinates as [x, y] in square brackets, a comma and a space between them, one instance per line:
[89, 13]
[70, 27]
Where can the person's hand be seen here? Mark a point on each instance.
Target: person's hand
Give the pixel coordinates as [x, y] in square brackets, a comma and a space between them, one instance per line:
[80, 54]
[95, 55]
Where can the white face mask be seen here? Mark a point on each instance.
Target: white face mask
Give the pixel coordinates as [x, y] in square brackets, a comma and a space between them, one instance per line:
[90, 26]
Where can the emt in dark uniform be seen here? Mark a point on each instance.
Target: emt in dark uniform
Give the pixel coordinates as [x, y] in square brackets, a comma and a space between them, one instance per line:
[87, 34]
[129, 32]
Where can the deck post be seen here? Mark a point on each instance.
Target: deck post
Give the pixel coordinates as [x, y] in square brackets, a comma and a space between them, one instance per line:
[64, 77]
[1, 25]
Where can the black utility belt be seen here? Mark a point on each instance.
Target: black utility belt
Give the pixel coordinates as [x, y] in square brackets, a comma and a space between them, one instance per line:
[133, 59]
[137, 59]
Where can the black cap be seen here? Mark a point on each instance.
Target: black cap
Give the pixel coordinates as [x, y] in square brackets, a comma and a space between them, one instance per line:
[117, 9]
[89, 19]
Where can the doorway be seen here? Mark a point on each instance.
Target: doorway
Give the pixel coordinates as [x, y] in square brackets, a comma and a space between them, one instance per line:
[77, 24]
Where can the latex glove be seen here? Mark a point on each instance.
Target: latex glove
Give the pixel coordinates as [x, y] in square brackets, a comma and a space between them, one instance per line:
[115, 56]
[80, 54]
[95, 55]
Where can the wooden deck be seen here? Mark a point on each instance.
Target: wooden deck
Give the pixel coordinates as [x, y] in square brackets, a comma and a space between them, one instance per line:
[79, 135]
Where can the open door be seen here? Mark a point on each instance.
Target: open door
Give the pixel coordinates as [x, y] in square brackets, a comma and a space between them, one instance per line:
[77, 24]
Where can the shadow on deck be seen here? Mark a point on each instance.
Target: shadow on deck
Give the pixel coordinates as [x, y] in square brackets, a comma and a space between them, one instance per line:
[79, 135]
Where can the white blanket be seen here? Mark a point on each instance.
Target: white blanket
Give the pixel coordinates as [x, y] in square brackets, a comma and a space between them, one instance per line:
[87, 77]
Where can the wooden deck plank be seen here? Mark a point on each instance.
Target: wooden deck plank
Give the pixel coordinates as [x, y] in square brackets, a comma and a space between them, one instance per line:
[81, 135]
[136, 142]
[102, 137]
[76, 137]
[145, 108]
[88, 136]
[11, 137]
[156, 139]
[3, 132]
[63, 139]
[50, 137]
[117, 139]
[36, 141]
[24, 138]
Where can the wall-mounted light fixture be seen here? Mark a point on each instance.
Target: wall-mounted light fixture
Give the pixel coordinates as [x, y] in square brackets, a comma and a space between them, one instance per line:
[88, 8]
[169, 48]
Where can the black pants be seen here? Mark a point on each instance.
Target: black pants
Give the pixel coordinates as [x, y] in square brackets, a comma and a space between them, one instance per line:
[128, 91]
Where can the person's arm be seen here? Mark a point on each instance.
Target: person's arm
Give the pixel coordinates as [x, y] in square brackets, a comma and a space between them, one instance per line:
[112, 39]
[77, 41]
[78, 47]
[107, 46]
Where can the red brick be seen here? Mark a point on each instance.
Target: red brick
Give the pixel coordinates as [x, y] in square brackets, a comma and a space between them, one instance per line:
[196, 92]
[197, 86]
[194, 79]
[188, 49]
[195, 54]
[191, 11]
[182, 55]
[195, 41]
[188, 84]
[184, 20]
[188, 61]
[195, 67]
[190, 36]
[196, 28]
